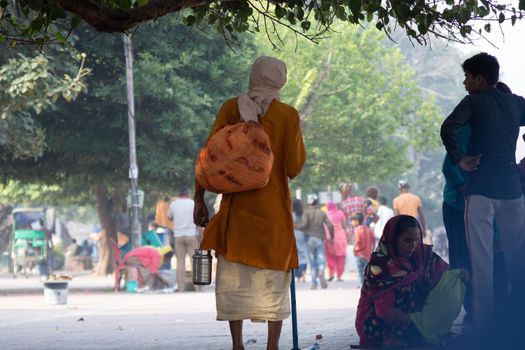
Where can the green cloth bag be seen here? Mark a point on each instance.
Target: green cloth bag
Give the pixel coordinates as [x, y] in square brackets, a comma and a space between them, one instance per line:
[441, 308]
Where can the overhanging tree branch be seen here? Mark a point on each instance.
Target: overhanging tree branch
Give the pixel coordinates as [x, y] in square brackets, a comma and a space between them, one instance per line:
[111, 20]
[459, 21]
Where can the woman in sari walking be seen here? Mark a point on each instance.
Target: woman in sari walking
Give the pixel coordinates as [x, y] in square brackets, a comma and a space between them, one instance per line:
[336, 250]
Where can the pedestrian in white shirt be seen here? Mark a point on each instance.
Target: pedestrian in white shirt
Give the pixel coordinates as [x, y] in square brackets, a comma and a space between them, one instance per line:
[384, 213]
[184, 231]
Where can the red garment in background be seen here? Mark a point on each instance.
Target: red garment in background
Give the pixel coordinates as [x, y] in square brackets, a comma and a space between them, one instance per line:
[148, 257]
[364, 241]
[338, 246]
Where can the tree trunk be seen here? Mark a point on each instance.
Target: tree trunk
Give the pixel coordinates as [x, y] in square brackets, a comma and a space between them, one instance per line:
[5, 226]
[311, 98]
[105, 209]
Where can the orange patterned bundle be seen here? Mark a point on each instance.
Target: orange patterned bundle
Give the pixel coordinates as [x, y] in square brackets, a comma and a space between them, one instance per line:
[236, 158]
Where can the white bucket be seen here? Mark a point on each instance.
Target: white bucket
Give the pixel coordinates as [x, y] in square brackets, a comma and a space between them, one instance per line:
[55, 292]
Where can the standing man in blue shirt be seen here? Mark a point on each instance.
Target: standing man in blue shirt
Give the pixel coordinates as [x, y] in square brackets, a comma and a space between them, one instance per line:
[493, 192]
[454, 215]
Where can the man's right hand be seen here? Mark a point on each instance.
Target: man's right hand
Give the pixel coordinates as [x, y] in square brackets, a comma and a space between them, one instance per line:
[200, 211]
[469, 163]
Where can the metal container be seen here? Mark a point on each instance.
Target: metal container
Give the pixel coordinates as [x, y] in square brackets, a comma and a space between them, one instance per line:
[201, 271]
[55, 292]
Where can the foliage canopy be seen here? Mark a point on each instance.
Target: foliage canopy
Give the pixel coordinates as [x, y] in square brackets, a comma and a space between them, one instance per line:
[32, 85]
[177, 94]
[360, 104]
[39, 21]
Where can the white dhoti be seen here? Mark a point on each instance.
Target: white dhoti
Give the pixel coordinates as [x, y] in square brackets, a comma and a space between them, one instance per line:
[246, 292]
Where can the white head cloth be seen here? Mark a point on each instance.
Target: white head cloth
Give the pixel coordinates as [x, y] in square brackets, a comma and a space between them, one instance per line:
[267, 78]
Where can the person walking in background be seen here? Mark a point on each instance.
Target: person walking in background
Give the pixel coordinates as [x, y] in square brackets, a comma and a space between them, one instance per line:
[336, 250]
[300, 240]
[184, 230]
[372, 204]
[384, 213]
[351, 205]
[493, 186]
[252, 234]
[161, 213]
[409, 204]
[364, 244]
[312, 224]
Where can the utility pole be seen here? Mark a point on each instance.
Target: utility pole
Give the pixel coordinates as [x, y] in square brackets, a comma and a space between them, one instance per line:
[133, 168]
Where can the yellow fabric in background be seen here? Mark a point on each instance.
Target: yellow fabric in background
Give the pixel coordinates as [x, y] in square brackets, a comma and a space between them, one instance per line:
[441, 308]
[161, 214]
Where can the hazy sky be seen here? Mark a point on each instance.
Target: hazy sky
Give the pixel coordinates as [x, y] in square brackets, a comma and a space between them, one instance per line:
[510, 54]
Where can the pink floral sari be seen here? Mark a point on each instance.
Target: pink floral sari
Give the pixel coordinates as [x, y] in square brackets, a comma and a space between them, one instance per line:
[394, 282]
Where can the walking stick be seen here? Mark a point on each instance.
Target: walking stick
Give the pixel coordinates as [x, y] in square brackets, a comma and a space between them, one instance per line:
[294, 314]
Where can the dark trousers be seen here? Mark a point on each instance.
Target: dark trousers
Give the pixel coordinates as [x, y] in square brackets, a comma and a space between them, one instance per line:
[458, 253]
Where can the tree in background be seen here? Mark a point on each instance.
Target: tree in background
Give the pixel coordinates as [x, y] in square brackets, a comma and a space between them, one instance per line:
[181, 78]
[439, 74]
[361, 107]
[28, 87]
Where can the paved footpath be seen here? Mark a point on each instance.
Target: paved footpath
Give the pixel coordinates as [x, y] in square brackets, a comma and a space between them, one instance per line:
[106, 320]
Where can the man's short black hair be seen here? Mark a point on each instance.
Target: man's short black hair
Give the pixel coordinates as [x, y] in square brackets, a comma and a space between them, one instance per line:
[184, 191]
[382, 200]
[483, 64]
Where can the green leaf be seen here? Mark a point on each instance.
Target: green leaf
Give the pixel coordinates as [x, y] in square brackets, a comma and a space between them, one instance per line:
[483, 11]
[212, 18]
[190, 20]
[75, 21]
[60, 37]
[37, 24]
[341, 13]
[306, 25]
[279, 12]
[355, 6]
[501, 17]
[423, 29]
[300, 14]
[291, 17]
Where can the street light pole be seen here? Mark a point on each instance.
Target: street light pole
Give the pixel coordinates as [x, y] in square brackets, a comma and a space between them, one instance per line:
[133, 168]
